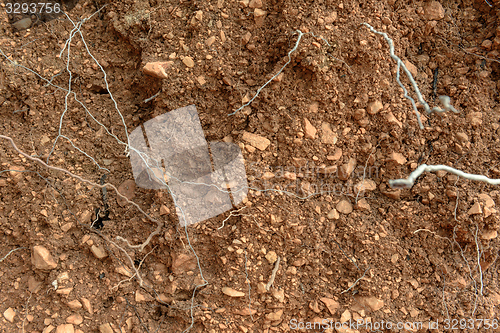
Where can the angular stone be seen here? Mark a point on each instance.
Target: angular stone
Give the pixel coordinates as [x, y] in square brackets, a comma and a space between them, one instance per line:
[183, 262]
[488, 201]
[474, 118]
[336, 155]
[34, 285]
[16, 175]
[397, 158]
[255, 140]
[411, 68]
[261, 288]
[462, 137]
[164, 210]
[345, 316]
[142, 297]
[346, 169]
[344, 207]
[314, 306]
[374, 107]
[363, 204]
[188, 61]
[210, 41]
[333, 214]
[22, 24]
[105, 328]
[74, 319]
[255, 4]
[327, 135]
[372, 302]
[9, 314]
[274, 316]
[87, 306]
[279, 295]
[267, 175]
[396, 194]
[259, 15]
[99, 251]
[489, 234]
[66, 227]
[75, 304]
[201, 80]
[475, 209]
[366, 185]
[245, 312]
[391, 119]
[125, 271]
[433, 11]
[232, 292]
[359, 114]
[299, 262]
[158, 69]
[66, 328]
[331, 304]
[309, 129]
[42, 259]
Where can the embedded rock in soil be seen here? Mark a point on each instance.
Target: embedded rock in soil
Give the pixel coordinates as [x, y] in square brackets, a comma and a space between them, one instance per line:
[333, 214]
[232, 292]
[256, 141]
[273, 316]
[475, 209]
[397, 158]
[363, 204]
[255, 4]
[271, 256]
[65, 328]
[331, 304]
[344, 206]
[127, 189]
[372, 302]
[327, 135]
[489, 234]
[157, 69]
[98, 251]
[105, 328]
[366, 185]
[9, 314]
[188, 61]
[433, 11]
[182, 263]
[74, 319]
[309, 129]
[346, 169]
[374, 107]
[75, 304]
[42, 259]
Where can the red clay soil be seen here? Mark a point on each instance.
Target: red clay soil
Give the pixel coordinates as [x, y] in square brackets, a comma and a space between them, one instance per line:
[336, 115]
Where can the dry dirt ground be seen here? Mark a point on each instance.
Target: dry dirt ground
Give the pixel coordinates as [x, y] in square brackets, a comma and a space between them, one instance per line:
[334, 116]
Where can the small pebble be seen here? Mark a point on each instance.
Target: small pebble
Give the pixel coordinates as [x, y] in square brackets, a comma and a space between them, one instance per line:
[232, 292]
[271, 257]
[188, 61]
[344, 207]
[9, 314]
